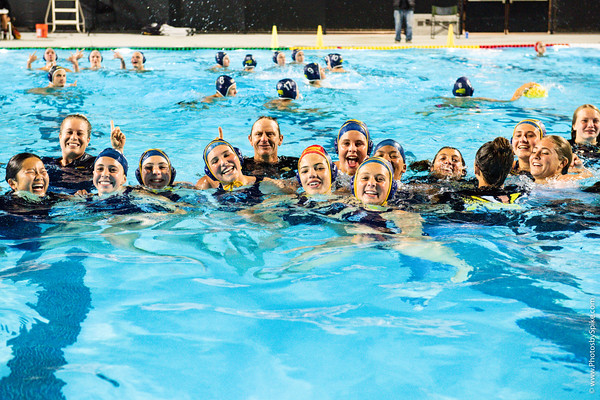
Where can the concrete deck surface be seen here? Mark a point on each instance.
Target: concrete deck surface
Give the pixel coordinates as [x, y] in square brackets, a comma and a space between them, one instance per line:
[211, 40]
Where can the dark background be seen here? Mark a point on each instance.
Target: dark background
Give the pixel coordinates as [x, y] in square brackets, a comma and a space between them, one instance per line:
[301, 15]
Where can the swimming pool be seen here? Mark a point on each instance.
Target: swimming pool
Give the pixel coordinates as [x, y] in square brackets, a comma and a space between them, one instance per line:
[222, 305]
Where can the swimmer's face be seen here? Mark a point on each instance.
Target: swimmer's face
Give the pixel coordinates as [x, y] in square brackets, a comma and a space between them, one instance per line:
[137, 59]
[73, 138]
[226, 61]
[352, 149]
[232, 91]
[524, 140]
[372, 184]
[50, 55]
[448, 164]
[224, 164]
[156, 172]
[300, 57]
[109, 175]
[281, 59]
[265, 138]
[544, 161]
[95, 58]
[315, 175]
[32, 178]
[587, 126]
[392, 154]
[59, 79]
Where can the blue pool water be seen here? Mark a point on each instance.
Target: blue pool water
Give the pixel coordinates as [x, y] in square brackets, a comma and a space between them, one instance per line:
[281, 303]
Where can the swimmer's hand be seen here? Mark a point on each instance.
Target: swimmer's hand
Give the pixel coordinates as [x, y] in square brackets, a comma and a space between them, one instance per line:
[82, 193]
[577, 163]
[117, 138]
[220, 133]
[118, 56]
[31, 59]
[519, 92]
[73, 84]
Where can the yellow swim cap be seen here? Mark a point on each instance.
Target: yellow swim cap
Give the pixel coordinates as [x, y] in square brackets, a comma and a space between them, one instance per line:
[536, 91]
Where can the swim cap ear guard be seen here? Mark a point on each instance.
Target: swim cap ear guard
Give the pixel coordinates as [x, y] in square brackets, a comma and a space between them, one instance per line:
[150, 153]
[318, 149]
[463, 87]
[143, 57]
[354, 125]
[388, 166]
[312, 72]
[212, 145]
[294, 52]
[249, 61]
[219, 57]
[275, 54]
[53, 71]
[224, 82]
[334, 60]
[287, 89]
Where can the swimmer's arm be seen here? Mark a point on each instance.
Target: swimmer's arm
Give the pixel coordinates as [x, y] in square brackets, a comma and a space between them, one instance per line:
[31, 59]
[519, 92]
[410, 223]
[288, 186]
[118, 56]
[579, 174]
[74, 61]
[73, 84]
[206, 183]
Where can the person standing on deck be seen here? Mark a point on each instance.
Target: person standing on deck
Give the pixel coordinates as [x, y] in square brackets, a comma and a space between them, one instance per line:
[403, 15]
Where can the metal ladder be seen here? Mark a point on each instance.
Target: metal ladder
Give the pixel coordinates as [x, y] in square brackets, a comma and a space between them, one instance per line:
[66, 7]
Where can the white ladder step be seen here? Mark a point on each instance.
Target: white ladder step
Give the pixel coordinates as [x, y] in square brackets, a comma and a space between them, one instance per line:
[65, 10]
[65, 22]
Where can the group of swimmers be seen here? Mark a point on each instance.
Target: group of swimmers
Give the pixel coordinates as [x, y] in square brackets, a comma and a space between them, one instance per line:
[287, 89]
[372, 173]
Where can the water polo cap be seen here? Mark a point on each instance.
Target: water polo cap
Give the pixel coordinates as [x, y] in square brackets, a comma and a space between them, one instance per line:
[224, 82]
[354, 125]
[294, 52]
[463, 87]
[334, 60]
[219, 57]
[53, 71]
[390, 169]
[320, 150]
[534, 122]
[249, 61]
[275, 54]
[287, 89]
[209, 147]
[149, 153]
[393, 143]
[116, 155]
[312, 72]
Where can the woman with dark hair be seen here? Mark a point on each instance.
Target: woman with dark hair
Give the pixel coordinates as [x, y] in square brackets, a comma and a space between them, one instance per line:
[493, 162]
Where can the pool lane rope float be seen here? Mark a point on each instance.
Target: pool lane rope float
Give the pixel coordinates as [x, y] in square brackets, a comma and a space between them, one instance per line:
[394, 47]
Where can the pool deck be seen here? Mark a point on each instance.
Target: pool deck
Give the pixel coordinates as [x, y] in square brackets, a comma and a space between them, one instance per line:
[335, 40]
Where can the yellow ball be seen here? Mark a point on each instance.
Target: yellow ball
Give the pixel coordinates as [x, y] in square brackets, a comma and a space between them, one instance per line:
[535, 92]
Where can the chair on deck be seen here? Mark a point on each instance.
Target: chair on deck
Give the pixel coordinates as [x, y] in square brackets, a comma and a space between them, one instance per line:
[442, 17]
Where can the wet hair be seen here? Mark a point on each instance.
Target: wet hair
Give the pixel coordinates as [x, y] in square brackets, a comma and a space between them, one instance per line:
[563, 149]
[462, 159]
[581, 107]
[81, 117]
[270, 119]
[494, 160]
[16, 163]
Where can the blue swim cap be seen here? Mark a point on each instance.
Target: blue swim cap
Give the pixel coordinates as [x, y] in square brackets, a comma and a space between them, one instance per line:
[275, 54]
[219, 57]
[533, 122]
[463, 87]
[393, 143]
[287, 89]
[53, 71]
[312, 72]
[249, 61]
[212, 145]
[224, 82]
[390, 169]
[334, 60]
[149, 153]
[294, 52]
[114, 154]
[354, 125]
